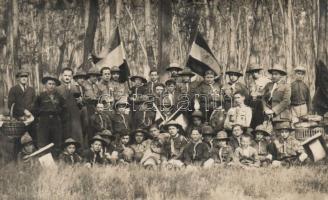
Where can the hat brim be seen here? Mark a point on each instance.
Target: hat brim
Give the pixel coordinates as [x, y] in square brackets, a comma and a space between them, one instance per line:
[265, 133]
[45, 80]
[166, 126]
[22, 74]
[232, 72]
[285, 128]
[104, 141]
[80, 76]
[225, 139]
[133, 78]
[186, 74]
[253, 70]
[277, 70]
[77, 144]
[173, 69]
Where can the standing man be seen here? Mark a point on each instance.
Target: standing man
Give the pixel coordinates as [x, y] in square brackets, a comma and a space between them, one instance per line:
[232, 87]
[153, 80]
[116, 82]
[106, 89]
[256, 86]
[300, 95]
[276, 96]
[72, 95]
[49, 108]
[173, 70]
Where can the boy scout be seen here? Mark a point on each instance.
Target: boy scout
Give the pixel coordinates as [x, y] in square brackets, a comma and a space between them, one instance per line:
[69, 155]
[49, 107]
[173, 70]
[222, 153]
[120, 119]
[246, 155]
[95, 155]
[263, 144]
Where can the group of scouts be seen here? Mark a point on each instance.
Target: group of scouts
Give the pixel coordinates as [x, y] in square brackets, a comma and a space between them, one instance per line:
[95, 118]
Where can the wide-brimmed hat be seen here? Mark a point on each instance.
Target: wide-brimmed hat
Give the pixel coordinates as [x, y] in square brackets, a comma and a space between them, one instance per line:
[186, 72]
[172, 123]
[170, 81]
[197, 113]
[262, 129]
[133, 78]
[139, 130]
[48, 76]
[234, 70]
[278, 68]
[80, 74]
[22, 72]
[207, 129]
[26, 139]
[93, 71]
[106, 133]
[174, 66]
[70, 141]
[253, 67]
[115, 69]
[122, 101]
[221, 135]
[98, 138]
[300, 69]
[159, 84]
[283, 126]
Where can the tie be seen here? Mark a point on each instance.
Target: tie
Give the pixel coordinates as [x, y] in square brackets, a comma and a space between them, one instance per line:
[81, 91]
[124, 122]
[152, 87]
[220, 154]
[187, 87]
[101, 121]
[273, 89]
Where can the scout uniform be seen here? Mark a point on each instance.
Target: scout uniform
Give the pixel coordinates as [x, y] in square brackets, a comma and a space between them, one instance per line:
[231, 88]
[195, 153]
[276, 97]
[247, 156]
[100, 121]
[120, 121]
[238, 115]
[140, 148]
[70, 159]
[172, 96]
[178, 142]
[256, 90]
[186, 87]
[117, 84]
[91, 88]
[93, 158]
[191, 126]
[49, 108]
[207, 133]
[22, 159]
[106, 91]
[174, 69]
[263, 146]
[223, 154]
[300, 97]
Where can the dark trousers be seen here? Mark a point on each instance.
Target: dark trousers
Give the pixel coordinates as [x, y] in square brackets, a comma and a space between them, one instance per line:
[50, 131]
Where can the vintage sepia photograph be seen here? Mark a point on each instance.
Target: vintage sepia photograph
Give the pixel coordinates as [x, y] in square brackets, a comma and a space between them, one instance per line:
[164, 99]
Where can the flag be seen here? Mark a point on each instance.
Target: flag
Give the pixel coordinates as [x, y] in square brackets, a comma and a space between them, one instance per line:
[177, 116]
[316, 147]
[201, 57]
[114, 55]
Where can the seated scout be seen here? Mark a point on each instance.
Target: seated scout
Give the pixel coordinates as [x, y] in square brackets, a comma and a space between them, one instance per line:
[120, 119]
[125, 152]
[69, 155]
[95, 155]
[208, 134]
[245, 155]
[196, 152]
[196, 122]
[288, 148]
[99, 121]
[263, 144]
[109, 147]
[222, 152]
[235, 139]
[140, 143]
[27, 149]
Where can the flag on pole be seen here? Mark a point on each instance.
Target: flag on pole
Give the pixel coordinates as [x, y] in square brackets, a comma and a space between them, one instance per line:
[316, 147]
[201, 57]
[114, 55]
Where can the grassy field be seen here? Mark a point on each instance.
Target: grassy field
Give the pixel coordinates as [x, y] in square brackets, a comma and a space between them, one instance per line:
[133, 182]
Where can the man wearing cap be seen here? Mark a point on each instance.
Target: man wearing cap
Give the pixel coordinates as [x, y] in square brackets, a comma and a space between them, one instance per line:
[208, 93]
[153, 79]
[186, 86]
[276, 96]
[49, 108]
[256, 86]
[233, 86]
[300, 95]
[116, 81]
[288, 148]
[72, 124]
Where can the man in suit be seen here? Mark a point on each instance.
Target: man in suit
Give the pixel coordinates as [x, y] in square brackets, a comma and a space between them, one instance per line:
[276, 96]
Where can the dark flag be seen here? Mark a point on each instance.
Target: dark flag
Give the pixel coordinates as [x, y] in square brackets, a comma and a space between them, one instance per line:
[201, 57]
[320, 99]
[114, 55]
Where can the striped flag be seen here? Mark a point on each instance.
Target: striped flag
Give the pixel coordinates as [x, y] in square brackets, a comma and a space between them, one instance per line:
[201, 57]
[114, 55]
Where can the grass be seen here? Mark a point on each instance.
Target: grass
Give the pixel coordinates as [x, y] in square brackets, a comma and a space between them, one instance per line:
[133, 182]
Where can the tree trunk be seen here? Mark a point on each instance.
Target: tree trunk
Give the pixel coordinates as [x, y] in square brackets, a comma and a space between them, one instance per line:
[323, 32]
[91, 29]
[148, 34]
[164, 34]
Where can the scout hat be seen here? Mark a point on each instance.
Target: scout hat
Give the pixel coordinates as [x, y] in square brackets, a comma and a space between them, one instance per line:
[234, 70]
[48, 76]
[186, 72]
[93, 71]
[278, 68]
[105, 133]
[80, 74]
[115, 69]
[221, 135]
[254, 67]
[22, 72]
[283, 126]
[26, 139]
[206, 129]
[174, 66]
[98, 138]
[140, 130]
[172, 123]
[122, 101]
[300, 69]
[197, 113]
[261, 128]
[170, 81]
[133, 78]
[70, 141]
